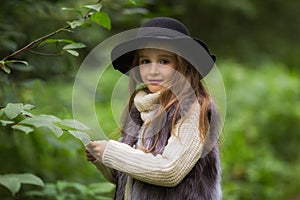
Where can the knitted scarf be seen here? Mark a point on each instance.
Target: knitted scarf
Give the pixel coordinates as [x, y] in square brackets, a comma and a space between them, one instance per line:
[202, 182]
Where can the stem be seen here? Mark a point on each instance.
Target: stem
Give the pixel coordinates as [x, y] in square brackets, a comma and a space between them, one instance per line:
[36, 42]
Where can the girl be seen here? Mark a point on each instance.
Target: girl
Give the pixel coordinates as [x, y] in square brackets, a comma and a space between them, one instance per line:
[168, 149]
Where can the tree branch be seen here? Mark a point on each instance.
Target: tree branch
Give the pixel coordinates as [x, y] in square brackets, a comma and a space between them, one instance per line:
[36, 42]
[41, 39]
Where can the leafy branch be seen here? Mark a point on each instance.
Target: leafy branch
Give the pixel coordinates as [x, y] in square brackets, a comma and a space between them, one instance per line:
[89, 13]
[19, 117]
[35, 42]
[13, 181]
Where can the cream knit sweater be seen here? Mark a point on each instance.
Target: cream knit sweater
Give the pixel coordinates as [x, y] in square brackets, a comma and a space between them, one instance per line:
[167, 169]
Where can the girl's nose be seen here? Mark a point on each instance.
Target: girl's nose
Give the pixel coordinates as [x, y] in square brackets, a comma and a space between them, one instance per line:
[154, 69]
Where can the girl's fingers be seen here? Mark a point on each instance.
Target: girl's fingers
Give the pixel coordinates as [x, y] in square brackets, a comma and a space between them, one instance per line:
[96, 148]
[90, 157]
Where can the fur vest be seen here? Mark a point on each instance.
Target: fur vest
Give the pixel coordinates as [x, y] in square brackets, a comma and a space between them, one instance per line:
[202, 183]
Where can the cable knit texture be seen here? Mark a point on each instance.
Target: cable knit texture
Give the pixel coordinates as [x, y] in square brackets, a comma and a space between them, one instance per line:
[174, 166]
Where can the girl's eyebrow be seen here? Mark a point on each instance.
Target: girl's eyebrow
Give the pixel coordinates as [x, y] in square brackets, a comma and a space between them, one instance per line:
[142, 56]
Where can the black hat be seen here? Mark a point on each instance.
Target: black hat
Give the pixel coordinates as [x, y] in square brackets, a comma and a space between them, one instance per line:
[167, 34]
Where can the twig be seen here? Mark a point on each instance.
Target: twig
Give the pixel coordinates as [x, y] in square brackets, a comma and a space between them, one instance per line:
[36, 42]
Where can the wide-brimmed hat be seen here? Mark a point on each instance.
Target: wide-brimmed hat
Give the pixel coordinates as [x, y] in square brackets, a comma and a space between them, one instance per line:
[167, 34]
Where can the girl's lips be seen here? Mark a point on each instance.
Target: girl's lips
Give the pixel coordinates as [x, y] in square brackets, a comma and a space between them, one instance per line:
[154, 81]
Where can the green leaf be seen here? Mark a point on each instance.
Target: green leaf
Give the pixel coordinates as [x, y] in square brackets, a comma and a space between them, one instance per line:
[102, 19]
[30, 179]
[76, 23]
[24, 129]
[74, 46]
[72, 9]
[101, 188]
[12, 110]
[49, 190]
[140, 87]
[4, 67]
[65, 29]
[28, 107]
[69, 48]
[44, 121]
[50, 41]
[96, 7]
[72, 52]
[83, 137]
[6, 122]
[63, 186]
[16, 61]
[11, 182]
[133, 2]
[27, 114]
[16, 67]
[50, 118]
[74, 124]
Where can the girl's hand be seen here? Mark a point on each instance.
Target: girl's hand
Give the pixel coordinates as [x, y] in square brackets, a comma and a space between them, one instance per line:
[89, 156]
[95, 150]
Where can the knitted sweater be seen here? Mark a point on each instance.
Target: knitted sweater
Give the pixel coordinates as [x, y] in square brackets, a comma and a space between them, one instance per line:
[168, 169]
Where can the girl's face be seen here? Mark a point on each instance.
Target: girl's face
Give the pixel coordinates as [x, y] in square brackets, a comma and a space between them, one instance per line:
[156, 68]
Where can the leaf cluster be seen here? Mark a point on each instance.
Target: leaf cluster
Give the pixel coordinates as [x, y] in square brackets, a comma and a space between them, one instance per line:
[13, 181]
[19, 117]
[87, 15]
[73, 190]
[260, 156]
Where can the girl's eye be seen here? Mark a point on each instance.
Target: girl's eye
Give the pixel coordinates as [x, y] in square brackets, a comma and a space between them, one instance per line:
[144, 61]
[164, 61]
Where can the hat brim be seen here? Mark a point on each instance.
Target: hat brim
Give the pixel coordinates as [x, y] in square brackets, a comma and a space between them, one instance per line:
[192, 50]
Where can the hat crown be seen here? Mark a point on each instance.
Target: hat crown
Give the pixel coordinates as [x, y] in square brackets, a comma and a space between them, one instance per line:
[167, 23]
[166, 33]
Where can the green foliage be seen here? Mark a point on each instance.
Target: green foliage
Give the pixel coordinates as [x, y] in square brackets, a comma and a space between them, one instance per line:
[96, 7]
[13, 181]
[13, 110]
[91, 13]
[70, 48]
[259, 152]
[18, 115]
[3, 64]
[94, 14]
[73, 23]
[260, 157]
[63, 190]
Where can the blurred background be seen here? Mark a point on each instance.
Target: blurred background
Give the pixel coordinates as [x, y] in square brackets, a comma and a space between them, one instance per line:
[257, 47]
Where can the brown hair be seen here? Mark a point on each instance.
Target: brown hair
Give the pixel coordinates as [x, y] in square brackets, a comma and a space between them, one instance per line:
[187, 83]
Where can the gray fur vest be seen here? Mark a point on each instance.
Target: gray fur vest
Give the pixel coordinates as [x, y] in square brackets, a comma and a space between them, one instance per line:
[202, 183]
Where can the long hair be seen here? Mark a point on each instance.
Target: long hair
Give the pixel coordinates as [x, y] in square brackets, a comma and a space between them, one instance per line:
[186, 84]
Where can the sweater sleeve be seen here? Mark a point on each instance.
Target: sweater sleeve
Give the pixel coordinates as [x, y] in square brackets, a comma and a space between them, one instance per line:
[108, 173]
[167, 169]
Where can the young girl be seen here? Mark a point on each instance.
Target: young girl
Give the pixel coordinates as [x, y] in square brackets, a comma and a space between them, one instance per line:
[168, 149]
